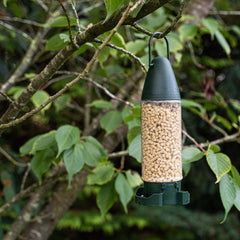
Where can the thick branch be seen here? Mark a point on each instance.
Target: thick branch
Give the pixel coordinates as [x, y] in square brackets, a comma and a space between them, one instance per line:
[27, 212]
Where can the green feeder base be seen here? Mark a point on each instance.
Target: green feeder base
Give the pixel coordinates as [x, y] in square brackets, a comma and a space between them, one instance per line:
[159, 194]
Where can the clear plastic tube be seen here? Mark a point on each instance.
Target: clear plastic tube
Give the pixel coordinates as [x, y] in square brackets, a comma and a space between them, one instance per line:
[161, 141]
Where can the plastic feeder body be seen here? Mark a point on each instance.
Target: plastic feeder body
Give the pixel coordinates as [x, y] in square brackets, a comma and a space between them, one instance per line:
[161, 138]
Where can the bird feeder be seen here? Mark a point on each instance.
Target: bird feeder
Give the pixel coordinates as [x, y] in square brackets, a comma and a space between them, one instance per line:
[161, 136]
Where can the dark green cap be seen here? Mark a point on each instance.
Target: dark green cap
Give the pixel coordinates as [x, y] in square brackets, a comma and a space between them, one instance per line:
[160, 83]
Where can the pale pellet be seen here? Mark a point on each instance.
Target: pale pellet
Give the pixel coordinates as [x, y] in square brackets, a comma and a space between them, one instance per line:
[161, 141]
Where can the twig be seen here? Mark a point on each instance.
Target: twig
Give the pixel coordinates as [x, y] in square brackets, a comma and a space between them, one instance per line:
[16, 19]
[25, 176]
[87, 108]
[205, 118]
[118, 154]
[7, 97]
[53, 178]
[42, 4]
[77, 79]
[228, 138]
[126, 52]
[170, 28]
[108, 93]
[75, 107]
[10, 27]
[141, 29]
[194, 141]
[11, 159]
[175, 21]
[76, 16]
[27, 59]
[18, 197]
[197, 64]
[122, 162]
[28, 211]
[225, 13]
[69, 23]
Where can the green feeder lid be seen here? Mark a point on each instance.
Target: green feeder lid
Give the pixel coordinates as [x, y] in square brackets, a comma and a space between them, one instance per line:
[160, 83]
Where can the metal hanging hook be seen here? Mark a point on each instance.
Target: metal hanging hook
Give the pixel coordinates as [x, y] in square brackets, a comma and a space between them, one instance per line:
[150, 48]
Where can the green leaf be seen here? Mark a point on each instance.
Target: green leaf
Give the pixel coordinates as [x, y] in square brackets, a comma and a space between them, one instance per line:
[237, 198]
[136, 111]
[223, 42]
[236, 29]
[61, 102]
[111, 121]
[16, 91]
[57, 42]
[94, 151]
[66, 136]
[134, 178]
[132, 133]
[186, 168]
[135, 148]
[44, 141]
[27, 148]
[83, 49]
[219, 163]
[61, 21]
[161, 48]
[186, 103]
[30, 76]
[103, 55]
[191, 154]
[174, 42]
[124, 190]
[113, 5]
[136, 46]
[227, 193]
[39, 98]
[224, 122]
[73, 159]
[106, 197]
[188, 31]
[5, 3]
[118, 40]
[101, 174]
[211, 24]
[41, 162]
[102, 104]
[215, 148]
[235, 175]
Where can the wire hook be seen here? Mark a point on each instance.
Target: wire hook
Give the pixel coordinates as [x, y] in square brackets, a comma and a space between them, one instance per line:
[150, 48]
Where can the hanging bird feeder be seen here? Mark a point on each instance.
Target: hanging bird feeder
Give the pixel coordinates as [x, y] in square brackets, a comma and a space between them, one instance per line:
[161, 136]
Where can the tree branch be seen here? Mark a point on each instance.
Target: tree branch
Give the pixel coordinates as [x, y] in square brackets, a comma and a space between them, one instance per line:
[76, 16]
[194, 141]
[23, 34]
[126, 52]
[63, 55]
[229, 138]
[27, 212]
[170, 28]
[27, 59]
[11, 159]
[68, 21]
